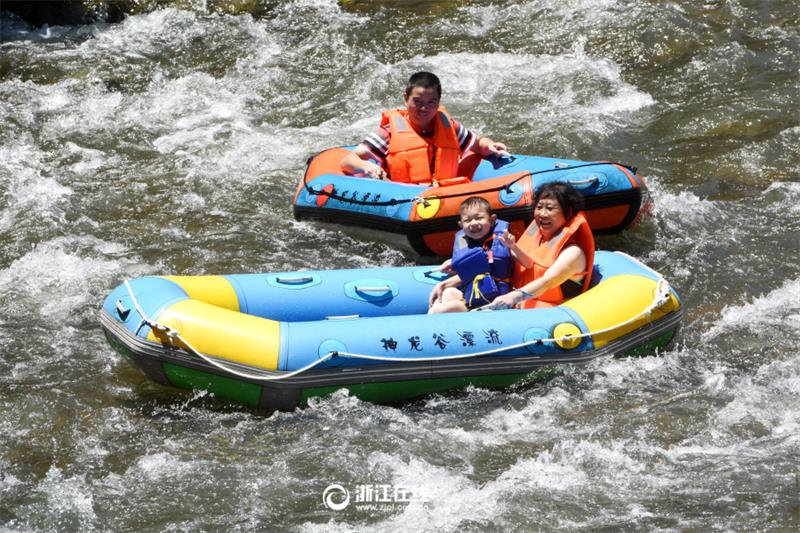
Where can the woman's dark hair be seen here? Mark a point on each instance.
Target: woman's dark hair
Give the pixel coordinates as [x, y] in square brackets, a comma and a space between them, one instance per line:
[570, 200]
[426, 80]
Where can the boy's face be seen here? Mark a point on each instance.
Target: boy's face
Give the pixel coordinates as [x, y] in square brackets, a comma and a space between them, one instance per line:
[422, 104]
[476, 222]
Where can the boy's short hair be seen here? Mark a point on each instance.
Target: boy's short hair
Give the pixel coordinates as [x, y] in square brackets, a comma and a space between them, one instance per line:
[475, 201]
[567, 196]
[426, 80]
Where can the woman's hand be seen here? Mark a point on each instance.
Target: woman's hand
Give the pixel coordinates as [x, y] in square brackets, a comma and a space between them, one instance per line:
[505, 301]
[508, 239]
[520, 256]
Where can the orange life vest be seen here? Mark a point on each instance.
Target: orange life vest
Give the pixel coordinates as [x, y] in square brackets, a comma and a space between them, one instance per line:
[407, 157]
[544, 254]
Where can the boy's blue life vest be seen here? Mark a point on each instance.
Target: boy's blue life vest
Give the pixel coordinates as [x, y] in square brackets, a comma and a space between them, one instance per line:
[484, 268]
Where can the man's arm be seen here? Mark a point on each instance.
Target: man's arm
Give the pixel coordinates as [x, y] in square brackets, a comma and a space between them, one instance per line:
[357, 162]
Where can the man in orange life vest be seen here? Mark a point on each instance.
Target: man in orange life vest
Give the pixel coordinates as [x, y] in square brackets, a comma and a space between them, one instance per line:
[420, 144]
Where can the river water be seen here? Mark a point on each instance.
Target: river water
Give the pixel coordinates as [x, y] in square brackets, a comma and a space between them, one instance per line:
[172, 142]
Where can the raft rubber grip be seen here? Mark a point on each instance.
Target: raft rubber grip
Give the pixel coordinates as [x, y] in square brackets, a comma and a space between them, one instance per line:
[382, 288]
[295, 281]
[593, 179]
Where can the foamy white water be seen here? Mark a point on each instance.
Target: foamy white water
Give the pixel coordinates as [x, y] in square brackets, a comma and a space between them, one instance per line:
[172, 142]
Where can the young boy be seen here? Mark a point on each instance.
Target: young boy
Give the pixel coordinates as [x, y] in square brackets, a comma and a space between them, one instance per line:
[483, 260]
[419, 144]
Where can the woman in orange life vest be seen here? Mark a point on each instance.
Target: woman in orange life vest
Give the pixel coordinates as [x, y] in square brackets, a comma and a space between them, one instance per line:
[418, 144]
[557, 252]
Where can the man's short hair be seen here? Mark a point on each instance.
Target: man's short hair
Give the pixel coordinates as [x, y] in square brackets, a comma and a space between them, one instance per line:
[426, 80]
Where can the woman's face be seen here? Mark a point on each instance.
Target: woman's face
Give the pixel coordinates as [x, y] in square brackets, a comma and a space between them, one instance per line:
[548, 216]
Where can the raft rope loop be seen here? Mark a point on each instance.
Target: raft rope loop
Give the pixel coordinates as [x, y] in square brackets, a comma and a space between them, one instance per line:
[419, 199]
[173, 334]
[662, 296]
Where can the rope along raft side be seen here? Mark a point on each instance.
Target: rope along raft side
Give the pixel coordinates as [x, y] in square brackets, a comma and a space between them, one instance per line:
[480, 191]
[661, 297]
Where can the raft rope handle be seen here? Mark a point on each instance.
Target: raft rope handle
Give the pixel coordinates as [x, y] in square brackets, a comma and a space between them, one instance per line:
[420, 199]
[662, 295]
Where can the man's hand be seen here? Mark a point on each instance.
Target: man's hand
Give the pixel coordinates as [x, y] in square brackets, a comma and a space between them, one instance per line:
[371, 170]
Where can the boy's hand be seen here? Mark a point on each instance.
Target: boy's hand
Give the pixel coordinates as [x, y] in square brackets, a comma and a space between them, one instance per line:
[447, 267]
[436, 294]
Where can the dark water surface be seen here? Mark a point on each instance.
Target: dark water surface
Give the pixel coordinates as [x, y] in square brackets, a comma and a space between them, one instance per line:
[172, 142]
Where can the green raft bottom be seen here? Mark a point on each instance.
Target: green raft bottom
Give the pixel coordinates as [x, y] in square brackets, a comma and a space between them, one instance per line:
[236, 390]
[380, 392]
[403, 390]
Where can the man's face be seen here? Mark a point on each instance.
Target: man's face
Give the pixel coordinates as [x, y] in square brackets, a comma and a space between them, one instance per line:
[422, 105]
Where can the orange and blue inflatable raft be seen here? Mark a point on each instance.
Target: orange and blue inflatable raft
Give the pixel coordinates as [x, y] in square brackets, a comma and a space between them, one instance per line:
[615, 196]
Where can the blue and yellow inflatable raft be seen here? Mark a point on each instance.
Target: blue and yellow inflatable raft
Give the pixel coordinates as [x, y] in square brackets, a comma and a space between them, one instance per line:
[275, 340]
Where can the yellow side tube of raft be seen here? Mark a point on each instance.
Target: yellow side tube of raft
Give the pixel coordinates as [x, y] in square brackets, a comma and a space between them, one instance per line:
[211, 322]
[214, 290]
[615, 301]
